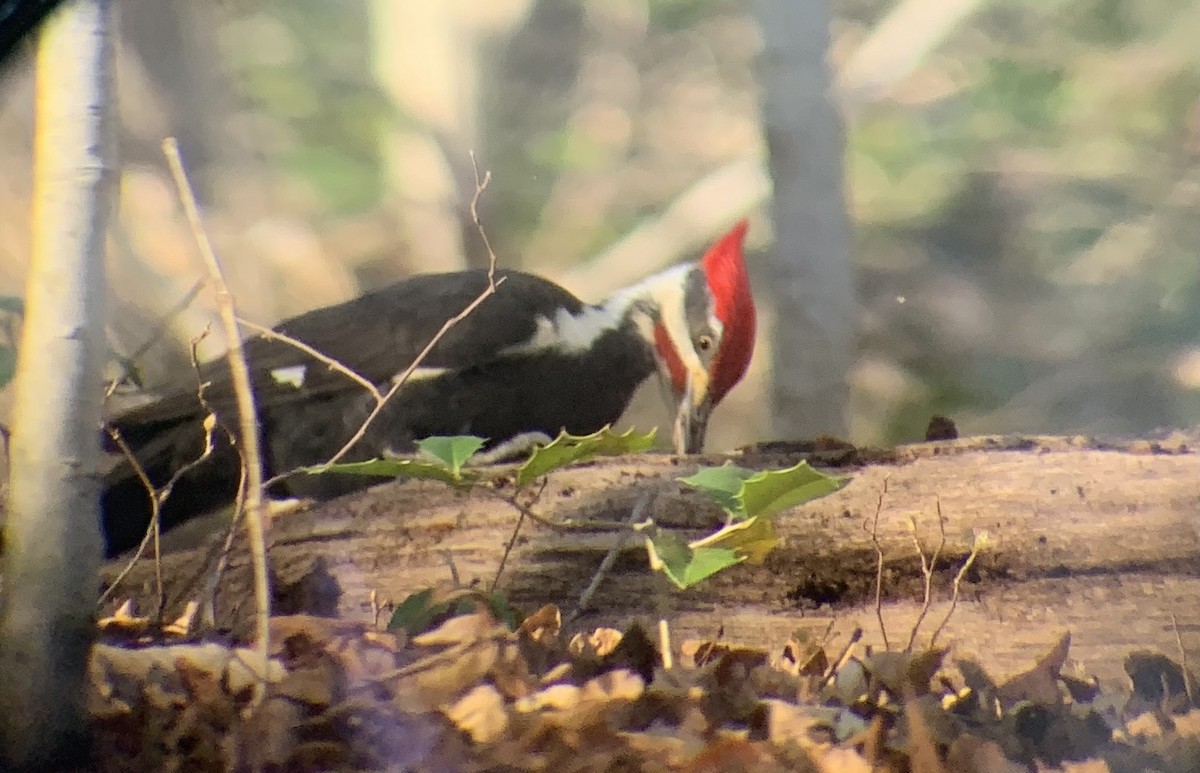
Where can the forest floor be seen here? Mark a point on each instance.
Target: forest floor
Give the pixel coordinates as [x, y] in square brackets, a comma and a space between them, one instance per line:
[876, 636]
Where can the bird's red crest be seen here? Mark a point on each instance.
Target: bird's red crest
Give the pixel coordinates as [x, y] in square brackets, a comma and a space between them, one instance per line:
[725, 267]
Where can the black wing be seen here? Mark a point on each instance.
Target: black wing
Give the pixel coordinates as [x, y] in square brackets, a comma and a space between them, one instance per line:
[376, 335]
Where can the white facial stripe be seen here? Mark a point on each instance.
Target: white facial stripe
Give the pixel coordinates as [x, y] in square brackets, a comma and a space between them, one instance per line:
[718, 327]
[668, 290]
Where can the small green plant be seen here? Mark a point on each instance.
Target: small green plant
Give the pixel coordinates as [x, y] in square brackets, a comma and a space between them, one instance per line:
[447, 458]
[426, 609]
[750, 499]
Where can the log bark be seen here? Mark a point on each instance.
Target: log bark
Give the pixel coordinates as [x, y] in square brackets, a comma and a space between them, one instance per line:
[1102, 540]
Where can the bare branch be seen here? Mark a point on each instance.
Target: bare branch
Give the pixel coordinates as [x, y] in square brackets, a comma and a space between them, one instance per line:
[159, 496]
[610, 558]
[841, 659]
[927, 567]
[980, 542]
[524, 510]
[874, 532]
[165, 322]
[333, 364]
[152, 528]
[480, 185]
[248, 422]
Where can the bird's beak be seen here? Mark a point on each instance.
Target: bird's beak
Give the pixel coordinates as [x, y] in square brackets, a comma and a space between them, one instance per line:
[691, 418]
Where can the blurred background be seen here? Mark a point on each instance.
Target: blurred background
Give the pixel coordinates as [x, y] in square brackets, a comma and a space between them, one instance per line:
[989, 210]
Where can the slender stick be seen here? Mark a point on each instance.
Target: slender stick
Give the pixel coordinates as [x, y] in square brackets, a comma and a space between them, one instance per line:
[874, 532]
[481, 183]
[333, 364]
[247, 418]
[610, 558]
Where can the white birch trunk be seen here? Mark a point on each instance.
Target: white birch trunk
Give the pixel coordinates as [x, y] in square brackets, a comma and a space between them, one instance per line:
[52, 536]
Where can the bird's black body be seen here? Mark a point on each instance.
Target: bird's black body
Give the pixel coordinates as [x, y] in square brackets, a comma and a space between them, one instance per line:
[487, 376]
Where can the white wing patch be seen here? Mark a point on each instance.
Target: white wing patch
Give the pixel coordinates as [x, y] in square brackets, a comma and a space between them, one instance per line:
[421, 373]
[569, 332]
[291, 375]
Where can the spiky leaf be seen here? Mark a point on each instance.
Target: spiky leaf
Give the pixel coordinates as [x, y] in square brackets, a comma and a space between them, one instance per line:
[682, 564]
[394, 468]
[452, 451]
[750, 539]
[568, 449]
[415, 613]
[771, 492]
[749, 493]
[724, 484]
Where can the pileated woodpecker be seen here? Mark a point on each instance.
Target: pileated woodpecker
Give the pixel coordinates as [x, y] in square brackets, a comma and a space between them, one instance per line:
[531, 359]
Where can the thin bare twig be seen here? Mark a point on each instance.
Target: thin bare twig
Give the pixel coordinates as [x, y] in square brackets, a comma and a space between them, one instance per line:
[845, 655]
[927, 568]
[1189, 688]
[874, 532]
[610, 558]
[209, 597]
[448, 557]
[165, 322]
[523, 510]
[159, 496]
[664, 641]
[481, 183]
[248, 421]
[152, 529]
[333, 364]
[980, 542]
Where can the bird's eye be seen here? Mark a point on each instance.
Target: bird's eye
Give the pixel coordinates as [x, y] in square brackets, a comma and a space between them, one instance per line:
[704, 343]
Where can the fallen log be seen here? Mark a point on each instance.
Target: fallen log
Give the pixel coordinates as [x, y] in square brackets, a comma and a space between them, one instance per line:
[1099, 539]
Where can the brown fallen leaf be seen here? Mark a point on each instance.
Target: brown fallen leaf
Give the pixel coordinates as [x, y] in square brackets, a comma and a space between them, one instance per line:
[725, 754]
[969, 754]
[544, 624]
[124, 623]
[556, 696]
[619, 684]
[480, 713]
[599, 642]
[842, 761]
[1040, 683]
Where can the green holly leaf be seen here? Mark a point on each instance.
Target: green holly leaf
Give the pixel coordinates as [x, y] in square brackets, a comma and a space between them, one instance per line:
[453, 451]
[395, 468]
[750, 539]
[415, 613]
[568, 449]
[724, 484]
[429, 608]
[768, 493]
[749, 493]
[681, 563]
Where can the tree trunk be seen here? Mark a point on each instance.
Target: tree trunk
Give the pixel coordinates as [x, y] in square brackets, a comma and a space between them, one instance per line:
[52, 535]
[811, 289]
